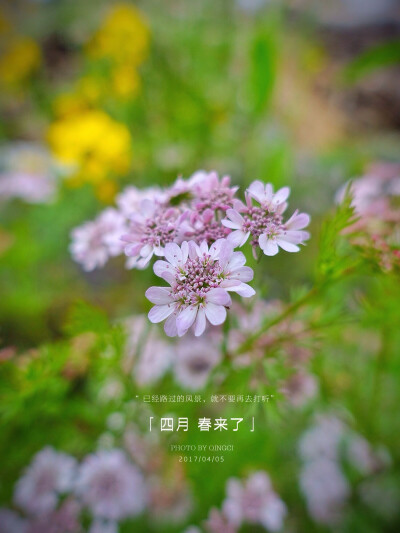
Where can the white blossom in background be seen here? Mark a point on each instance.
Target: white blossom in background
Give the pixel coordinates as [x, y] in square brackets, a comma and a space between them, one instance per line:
[129, 200]
[103, 526]
[49, 475]
[96, 241]
[325, 449]
[195, 358]
[326, 490]
[147, 354]
[26, 172]
[254, 501]
[11, 522]
[111, 486]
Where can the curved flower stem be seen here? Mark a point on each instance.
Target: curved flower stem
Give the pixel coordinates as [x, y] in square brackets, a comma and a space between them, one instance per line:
[248, 343]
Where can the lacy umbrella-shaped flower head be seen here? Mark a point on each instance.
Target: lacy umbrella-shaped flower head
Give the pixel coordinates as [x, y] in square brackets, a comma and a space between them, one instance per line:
[110, 485]
[151, 229]
[212, 193]
[96, 241]
[204, 226]
[49, 475]
[254, 502]
[264, 223]
[200, 278]
[129, 200]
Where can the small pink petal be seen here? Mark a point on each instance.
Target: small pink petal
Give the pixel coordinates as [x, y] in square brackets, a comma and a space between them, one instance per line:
[235, 216]
[281, 195]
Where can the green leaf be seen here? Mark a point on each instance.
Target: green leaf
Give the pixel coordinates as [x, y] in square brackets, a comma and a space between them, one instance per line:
[335, 252]
[377, 57]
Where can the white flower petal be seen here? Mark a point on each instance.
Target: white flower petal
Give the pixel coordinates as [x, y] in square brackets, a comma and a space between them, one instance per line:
[170, 326]
[216, 314]
[185, 319]
[268, 246]
[159, 295]
[245, 290]
[200, 324]
[160, 312]
[287, 246]
[244, 273]
[173, 253]
[218, 296]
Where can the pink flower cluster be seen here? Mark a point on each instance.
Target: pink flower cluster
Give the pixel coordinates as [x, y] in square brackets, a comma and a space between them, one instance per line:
[195, 225]
[252, 501]
[324, 450]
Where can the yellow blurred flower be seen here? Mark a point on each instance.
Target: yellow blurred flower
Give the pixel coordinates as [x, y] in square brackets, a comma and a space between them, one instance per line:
[125, 82]
[91, 145]
[123, 37]
[20, 57]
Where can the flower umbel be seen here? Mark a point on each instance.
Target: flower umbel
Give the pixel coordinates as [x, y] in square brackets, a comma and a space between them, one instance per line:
[264, 223]
[200, 278]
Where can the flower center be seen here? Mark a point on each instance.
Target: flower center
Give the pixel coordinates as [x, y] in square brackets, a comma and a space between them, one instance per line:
[159, 230]
[259, 220]
[196, 278]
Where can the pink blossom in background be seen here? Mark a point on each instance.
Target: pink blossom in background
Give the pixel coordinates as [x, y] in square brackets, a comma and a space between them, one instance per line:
[96, 241]
[66, 519]
[111, 486]
[200, 280]
[263, 223]
[217, 522]
[300, 387]
[254, 501]
[49, 475]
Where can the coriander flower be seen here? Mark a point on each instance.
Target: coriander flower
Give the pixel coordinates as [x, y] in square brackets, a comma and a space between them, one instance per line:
[129, 200]
[49, 475]
[264, 223]
[200, 278]
[195, 360]
[254, 502]
[110, 485]
[211, 193]
[151, 229]
[96, 241]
